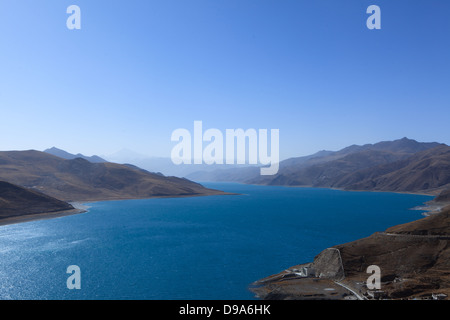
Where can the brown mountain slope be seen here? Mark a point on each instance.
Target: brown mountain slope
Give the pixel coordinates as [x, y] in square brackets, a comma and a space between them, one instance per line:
[80, 180]
[337, 169]
[444, 196]
[17, 201]
[425, 171]
[417, 254]
[325, 174]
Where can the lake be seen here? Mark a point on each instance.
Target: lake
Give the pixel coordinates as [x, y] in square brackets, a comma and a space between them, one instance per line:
[189, 248]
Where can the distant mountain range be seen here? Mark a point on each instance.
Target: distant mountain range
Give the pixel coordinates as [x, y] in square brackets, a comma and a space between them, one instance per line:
[81, 180]
[69, 156]
[162, 164]
[402, 165]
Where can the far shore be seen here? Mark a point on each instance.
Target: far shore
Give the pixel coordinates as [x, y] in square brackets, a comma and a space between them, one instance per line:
[431, 193]
[429, 207]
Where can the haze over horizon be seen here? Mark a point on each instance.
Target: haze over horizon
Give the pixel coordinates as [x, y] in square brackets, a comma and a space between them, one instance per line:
[136, 71]
[126, 154]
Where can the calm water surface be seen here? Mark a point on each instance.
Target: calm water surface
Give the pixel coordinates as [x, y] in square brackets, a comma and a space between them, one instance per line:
[189, 248]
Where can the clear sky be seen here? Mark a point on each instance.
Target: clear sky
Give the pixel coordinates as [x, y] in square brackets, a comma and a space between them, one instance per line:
[138, 70]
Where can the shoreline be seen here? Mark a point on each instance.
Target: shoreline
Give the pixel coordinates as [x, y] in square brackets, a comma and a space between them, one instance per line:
[431, 193]
[80, 207]
[41, 216]
[431, 207]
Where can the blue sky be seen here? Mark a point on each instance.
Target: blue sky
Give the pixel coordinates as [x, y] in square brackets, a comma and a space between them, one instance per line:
[138, 70]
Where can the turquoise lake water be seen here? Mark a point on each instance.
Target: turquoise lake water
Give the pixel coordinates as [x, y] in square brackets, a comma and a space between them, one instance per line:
[189, 248]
